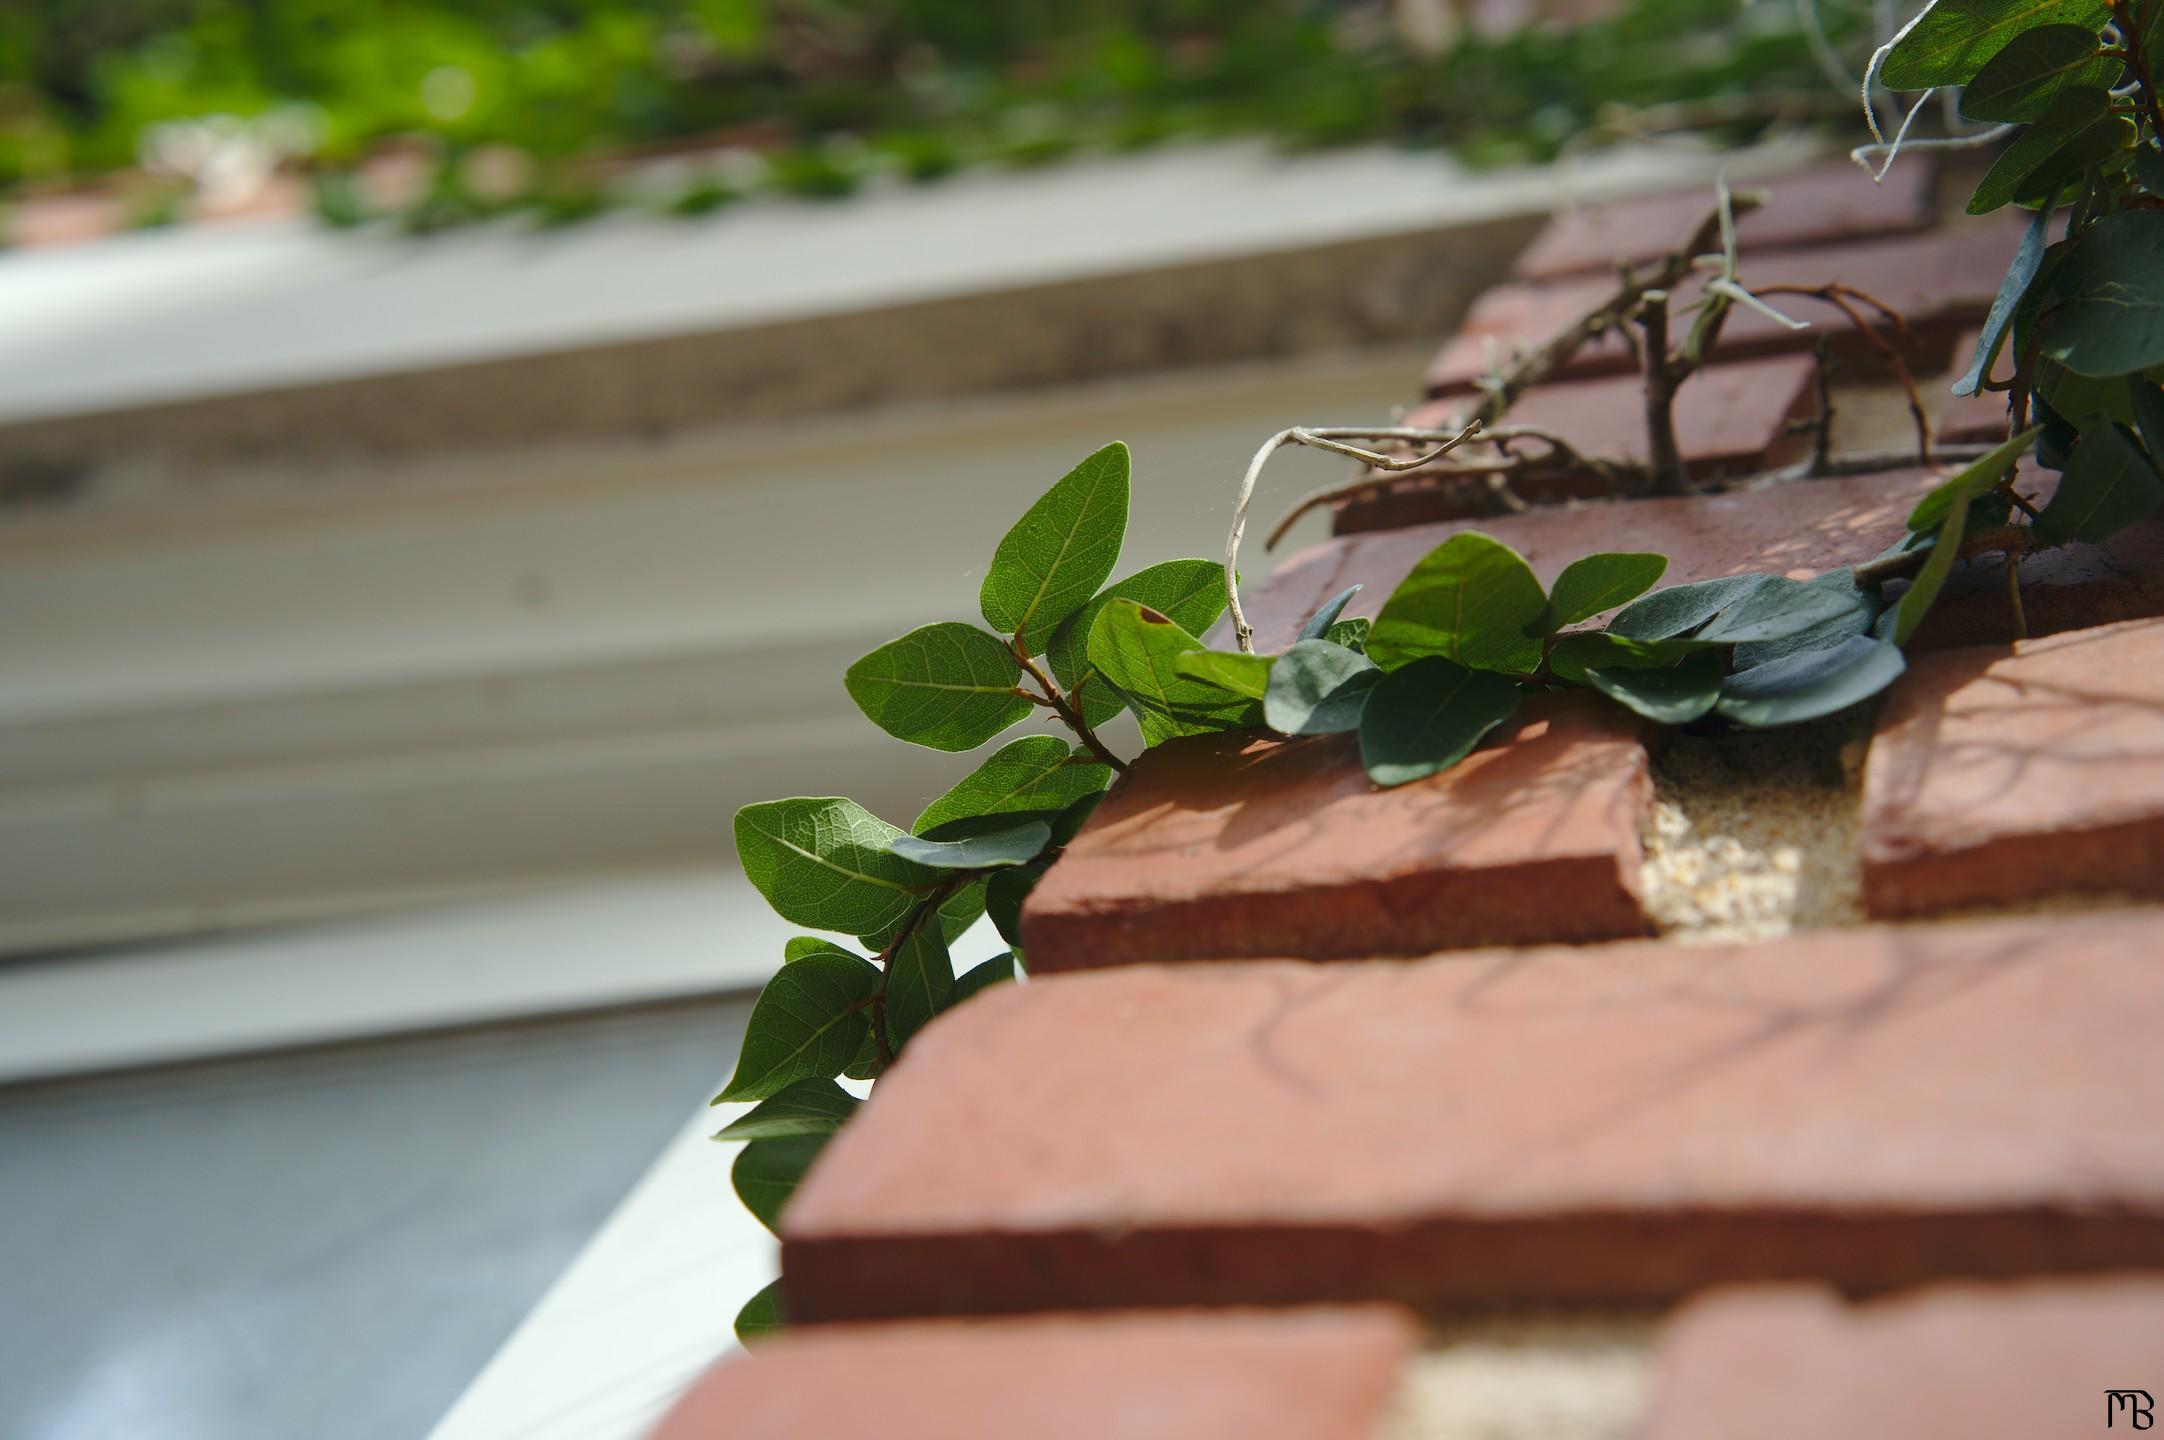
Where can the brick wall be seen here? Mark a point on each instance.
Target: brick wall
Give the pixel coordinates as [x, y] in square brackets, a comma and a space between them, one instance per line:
[1688, 1085]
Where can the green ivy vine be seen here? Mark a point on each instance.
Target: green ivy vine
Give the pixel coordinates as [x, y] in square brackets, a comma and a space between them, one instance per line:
[1470, 632]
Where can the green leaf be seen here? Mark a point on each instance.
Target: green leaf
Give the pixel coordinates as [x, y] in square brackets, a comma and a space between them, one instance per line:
[2147, 403]
[1190, 592]
[2111, 319]
[1599, 582]
[1952, 40]
[822, 861]
[1247, 676]
[1576, 656]
[1003, 897]
[766, 1173]
[1137, 650]
[1006, 844]
[800, 946]
[806, 1025]
[2077, 127]
[949, 686]
[1039, 772]
[1813, 683]
[1679, 609]
[761, 1316]
[1469, 600]
[805, 1107]
[1317, 688]
[1781, 607]
[2108, 485]
[920, 983]
[1674, 696]
[1060, 551]
[1352, 634]
[1972, 479]
[995, 971]
[2027, 261]
[1856, 620]
[2148, 159]
[956, 914]
[2020, 81]
[1318, 624]
[1427, 715]
[1923, 591]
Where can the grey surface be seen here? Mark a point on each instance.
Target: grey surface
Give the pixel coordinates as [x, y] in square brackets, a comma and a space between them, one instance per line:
[325, 1245]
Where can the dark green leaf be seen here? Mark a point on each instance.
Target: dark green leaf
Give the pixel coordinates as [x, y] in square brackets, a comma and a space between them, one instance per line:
[1680, 609]
[1469, 600]
[1190, 592]
[995, 971]
[1575, 656]
[2108, 485]
[1040, 772]
[806, 1107]
[1070, 821]
[1427, 715]
[1674, 696]
[1060, 551]
[823, 861]
[2027, 261]
[1352, 634]
[1004, 894]
[2111, 319]
[1247, 676]
[2148, 159]
[799, 946]
[766, 1173]
[761, 1315]
[1317, 688]
[1827, 633]
[1318, 624]
[806, 1025]
[1007, 844]
[1810, 684]
[949, 686]
[920, 982]
[1779, 608]
[1951, 41]
[2077, 127]
[2147, 402]
[2020, 81]
[1970, 480]
[1138, 650]
[1596, 583]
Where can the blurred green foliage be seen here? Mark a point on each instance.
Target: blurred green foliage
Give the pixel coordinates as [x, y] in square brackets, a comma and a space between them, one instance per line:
[828, 91]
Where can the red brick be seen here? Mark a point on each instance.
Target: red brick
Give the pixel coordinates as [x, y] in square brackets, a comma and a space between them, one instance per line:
[2073, 587]
[1796, 529]
[1821, 206]
[1222, 846]
[1731, 419]
[2004, 1362]
[1941, 282]
[1871, 1107]
[1322, 1374]
[2001, 775]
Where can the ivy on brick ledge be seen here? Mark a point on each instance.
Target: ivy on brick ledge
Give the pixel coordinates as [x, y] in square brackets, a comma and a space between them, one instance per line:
[1470, 631]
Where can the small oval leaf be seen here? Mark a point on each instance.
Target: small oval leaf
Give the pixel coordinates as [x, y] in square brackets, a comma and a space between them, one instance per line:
[1060, 551]
[1428, 715]
[806, 1107]
[1807, 686]
[806, 1025]
[1674, 696]
[948, 686]
[1317, 688]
